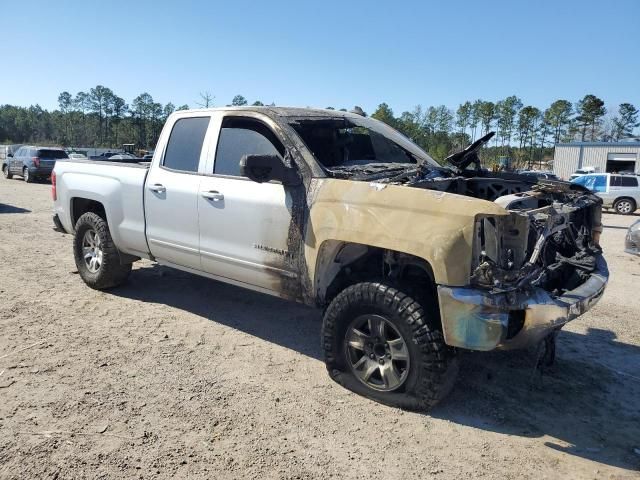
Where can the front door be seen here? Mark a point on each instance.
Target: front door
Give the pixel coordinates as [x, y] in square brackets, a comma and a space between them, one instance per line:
[171, 195]
[16, 161]
[244, 225]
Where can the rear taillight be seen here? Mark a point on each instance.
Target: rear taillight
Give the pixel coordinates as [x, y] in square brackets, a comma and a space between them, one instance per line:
[54, 192]
[36, 161]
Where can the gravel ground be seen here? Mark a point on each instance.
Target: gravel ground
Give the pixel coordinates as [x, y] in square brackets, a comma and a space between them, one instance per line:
[174, 375]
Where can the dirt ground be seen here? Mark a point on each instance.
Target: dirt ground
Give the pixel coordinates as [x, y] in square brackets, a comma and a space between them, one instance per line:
[174, 375]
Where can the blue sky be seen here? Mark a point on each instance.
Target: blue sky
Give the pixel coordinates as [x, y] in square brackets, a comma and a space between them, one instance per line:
[323, 53]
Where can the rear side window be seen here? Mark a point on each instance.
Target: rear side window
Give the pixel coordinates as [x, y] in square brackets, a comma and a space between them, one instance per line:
[53, 154]
[185, 144]
[628, 181]
[240, 137]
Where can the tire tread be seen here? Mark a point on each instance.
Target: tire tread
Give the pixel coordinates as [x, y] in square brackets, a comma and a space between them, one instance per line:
[111, 273]
[437, 365]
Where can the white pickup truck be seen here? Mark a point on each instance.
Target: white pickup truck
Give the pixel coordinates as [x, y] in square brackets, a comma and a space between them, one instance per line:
[410, 260]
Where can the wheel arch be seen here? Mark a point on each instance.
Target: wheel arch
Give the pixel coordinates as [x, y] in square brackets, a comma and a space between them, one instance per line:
[80, 205]
[625, 197]
[340, 264]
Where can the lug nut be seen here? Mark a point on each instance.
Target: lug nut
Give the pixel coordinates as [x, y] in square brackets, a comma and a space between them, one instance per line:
[381, 362]
[371, 355]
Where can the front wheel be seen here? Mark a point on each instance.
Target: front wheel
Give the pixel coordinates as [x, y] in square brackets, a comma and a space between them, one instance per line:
[5, 171]
[96, 256]
[380, 343]
[624, 206]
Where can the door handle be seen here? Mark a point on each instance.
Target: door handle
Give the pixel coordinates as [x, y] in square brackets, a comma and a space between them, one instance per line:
[158, 188]
[213, 195]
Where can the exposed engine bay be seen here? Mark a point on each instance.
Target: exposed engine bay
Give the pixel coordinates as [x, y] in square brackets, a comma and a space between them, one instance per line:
[549, 240]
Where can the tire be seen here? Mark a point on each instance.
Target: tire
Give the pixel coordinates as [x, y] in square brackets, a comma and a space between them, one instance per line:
[7, 174]
[97, 258]
[26, 175]
[421, 381]
[625, 206]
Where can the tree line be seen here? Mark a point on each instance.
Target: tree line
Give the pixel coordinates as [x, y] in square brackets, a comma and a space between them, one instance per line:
[101, 118]
[95, 118]
[524, 133]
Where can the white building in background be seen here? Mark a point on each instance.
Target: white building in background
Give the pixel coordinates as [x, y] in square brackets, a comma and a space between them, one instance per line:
[603, 156]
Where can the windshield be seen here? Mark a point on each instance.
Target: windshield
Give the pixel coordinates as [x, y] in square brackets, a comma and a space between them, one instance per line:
[347, 142]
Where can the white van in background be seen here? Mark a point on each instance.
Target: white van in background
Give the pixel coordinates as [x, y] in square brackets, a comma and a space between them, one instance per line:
[620, 192]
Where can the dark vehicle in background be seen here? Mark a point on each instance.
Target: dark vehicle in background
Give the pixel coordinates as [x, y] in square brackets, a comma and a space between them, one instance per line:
[116, 157]
[32, 162]
[539, 174]
[103, 156]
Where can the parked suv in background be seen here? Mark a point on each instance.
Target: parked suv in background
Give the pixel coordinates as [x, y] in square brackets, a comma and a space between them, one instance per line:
[620, 192]
[32, 162]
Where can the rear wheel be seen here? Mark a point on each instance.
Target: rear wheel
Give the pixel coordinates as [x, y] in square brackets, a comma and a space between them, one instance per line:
[26, 175]
[378, 342]
[97, 258]
[624, 206]
[6, 172]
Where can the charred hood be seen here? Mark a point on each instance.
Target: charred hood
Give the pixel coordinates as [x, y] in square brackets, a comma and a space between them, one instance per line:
[549, 239]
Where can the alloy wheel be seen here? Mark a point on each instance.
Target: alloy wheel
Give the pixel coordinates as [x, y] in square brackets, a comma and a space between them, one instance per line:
[624, 206]
[92, 251]
[377, 353]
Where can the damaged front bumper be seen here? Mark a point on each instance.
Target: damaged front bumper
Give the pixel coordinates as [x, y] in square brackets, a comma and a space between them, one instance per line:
[476, 319]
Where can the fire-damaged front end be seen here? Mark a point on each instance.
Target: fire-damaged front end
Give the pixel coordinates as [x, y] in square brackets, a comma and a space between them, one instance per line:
[533, 270]
[535, 265]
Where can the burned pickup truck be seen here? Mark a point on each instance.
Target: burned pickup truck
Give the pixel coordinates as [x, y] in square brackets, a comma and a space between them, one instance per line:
[409, 260]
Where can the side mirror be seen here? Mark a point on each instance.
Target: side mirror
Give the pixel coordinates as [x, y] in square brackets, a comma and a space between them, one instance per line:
[10, 155]
[263, 168]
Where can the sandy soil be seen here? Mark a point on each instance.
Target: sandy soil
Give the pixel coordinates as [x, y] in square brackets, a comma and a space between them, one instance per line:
[173, 375]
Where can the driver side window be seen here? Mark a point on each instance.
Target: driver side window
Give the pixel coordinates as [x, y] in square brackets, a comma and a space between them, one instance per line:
[239, 137]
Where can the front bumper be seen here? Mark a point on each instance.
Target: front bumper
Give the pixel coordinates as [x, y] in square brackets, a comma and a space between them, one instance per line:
[478, 320]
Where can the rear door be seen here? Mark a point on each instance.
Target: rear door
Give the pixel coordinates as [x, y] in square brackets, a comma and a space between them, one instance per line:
[615, 187]
[171, 194]
[244, 225]
[629, 187]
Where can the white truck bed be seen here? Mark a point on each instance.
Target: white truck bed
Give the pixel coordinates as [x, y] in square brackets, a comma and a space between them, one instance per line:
[118, 186]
